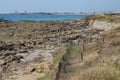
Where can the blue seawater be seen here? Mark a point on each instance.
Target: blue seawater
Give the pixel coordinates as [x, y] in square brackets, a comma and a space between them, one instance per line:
[39, 17]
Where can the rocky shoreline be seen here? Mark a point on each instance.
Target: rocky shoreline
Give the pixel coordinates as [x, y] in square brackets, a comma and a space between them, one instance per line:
[24, 44]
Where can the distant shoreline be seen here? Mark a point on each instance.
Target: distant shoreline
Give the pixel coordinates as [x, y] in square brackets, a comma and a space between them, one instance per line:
[49, 13]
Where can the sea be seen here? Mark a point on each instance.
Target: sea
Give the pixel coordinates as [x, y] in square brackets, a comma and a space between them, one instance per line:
[41, 17]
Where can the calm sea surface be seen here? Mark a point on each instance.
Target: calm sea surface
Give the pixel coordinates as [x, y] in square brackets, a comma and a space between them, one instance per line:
[39, 17]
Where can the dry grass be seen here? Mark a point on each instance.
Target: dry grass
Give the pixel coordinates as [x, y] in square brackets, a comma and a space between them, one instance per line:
[104, 66]
[100, 73]
[108, 18]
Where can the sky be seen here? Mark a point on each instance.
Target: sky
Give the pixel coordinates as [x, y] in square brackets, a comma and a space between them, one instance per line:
[9, 6]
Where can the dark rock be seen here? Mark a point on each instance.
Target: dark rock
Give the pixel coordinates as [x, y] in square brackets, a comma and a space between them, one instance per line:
[3, 47]
[7, 53]
[30, 47]
[22, 51]
[18, 57]
[10, 47]
[0, 54]
[21, 45]
[33, 70]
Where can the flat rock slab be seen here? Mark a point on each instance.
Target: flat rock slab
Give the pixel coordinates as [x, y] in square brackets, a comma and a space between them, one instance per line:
[45, 54]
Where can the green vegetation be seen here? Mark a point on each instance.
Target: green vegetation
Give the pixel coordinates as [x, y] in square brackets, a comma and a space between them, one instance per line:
[74, 51]
[40, 69]
[59, 53]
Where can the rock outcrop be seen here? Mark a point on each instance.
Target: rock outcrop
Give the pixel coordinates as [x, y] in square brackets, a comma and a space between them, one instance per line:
[104, 25]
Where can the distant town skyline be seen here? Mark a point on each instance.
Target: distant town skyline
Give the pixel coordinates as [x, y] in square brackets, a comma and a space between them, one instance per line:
[10, 6]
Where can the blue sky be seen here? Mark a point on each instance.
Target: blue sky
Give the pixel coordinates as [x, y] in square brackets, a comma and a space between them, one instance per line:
[7, 6]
